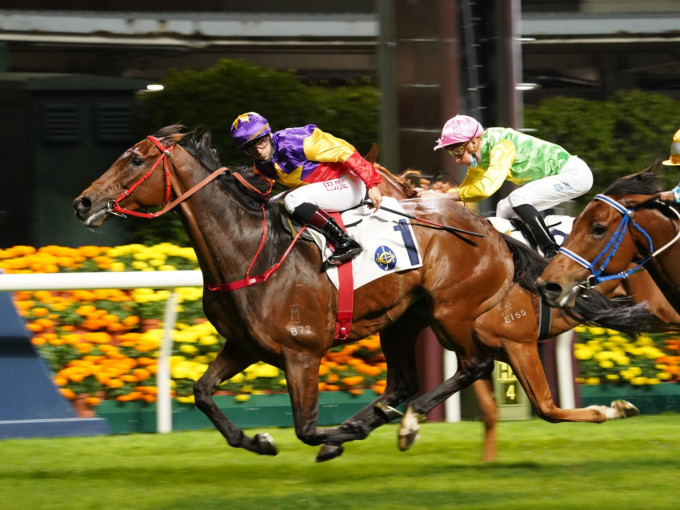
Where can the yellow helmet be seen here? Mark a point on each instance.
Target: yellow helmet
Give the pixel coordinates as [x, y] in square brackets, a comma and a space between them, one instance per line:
[674, 159]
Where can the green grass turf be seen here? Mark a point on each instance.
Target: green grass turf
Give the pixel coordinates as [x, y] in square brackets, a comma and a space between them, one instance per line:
[622, 464]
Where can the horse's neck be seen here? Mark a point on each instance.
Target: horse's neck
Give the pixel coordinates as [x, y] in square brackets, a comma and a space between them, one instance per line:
[222, 231]
[663, 268]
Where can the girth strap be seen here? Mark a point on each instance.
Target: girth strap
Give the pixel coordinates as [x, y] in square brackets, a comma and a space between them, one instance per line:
[345, 294]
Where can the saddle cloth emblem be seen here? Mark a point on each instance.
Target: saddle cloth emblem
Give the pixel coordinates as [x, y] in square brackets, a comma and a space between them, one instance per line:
[385, 258]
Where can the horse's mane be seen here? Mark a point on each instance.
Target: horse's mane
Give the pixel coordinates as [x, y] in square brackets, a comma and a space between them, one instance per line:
[529, 264]
[198, 143]
[641, 183]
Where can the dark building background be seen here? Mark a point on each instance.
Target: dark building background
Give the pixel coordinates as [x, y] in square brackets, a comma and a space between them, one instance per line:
[430, 58]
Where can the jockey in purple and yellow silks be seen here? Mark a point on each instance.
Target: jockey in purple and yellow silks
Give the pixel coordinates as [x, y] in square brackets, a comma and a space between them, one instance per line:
[325, 172]
[546, 173]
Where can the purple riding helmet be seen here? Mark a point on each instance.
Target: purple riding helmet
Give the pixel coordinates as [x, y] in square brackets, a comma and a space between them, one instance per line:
[248, 127]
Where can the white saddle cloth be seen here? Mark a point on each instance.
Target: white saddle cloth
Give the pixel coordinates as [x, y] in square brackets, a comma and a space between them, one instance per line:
[387, 240]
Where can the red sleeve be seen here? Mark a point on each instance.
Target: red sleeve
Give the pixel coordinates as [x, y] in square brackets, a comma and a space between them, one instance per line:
[365, 170]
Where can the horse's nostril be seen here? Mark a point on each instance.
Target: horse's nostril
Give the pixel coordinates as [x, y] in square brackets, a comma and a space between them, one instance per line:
[550, 289]
[82, 204]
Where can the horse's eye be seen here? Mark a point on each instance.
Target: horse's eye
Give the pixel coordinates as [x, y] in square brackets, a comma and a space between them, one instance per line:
[136, 160]
[598, 229]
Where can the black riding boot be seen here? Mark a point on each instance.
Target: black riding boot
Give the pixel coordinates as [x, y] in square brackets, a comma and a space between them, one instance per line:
[345, 248]
[535, 224]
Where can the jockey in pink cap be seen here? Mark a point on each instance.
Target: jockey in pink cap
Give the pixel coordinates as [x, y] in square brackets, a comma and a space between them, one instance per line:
[325, 172]
[546, 173]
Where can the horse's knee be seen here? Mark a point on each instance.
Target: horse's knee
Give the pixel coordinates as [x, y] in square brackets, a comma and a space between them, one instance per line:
[202, 395]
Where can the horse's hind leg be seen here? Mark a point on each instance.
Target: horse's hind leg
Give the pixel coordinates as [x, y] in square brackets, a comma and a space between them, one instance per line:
[526, 365]
[229, 362]
[418, 408]
[398, 345]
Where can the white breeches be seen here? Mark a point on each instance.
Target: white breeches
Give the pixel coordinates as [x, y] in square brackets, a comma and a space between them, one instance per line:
[574, 180]
[331, 196]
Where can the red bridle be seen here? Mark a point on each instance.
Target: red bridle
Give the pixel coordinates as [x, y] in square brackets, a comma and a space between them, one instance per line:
[165, 153]
[113, 206]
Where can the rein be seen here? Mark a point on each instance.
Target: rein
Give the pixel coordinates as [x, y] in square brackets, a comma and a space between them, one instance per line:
[613, 245]
[113, 207]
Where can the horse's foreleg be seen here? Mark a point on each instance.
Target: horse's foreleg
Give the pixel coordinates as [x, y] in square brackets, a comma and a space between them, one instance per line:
[229, 362]
[418, 408]
[483, 388]
[526, 365]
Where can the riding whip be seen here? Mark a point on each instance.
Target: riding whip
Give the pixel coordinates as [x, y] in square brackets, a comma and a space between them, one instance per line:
[452, 230]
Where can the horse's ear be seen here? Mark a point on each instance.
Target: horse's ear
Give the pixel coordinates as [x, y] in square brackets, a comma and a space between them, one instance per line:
[372, 155]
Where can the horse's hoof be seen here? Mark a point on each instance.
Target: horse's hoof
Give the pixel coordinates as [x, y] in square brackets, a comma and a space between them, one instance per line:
[408, 430]
[386, 412]
[265, 444]
[329, 451]
[407, 440]
[625, 409]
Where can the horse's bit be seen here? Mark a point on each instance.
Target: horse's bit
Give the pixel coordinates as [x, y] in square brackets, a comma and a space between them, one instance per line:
[613, 245]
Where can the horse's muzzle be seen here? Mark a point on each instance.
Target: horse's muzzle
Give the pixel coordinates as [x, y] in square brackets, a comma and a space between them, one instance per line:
[83, 208]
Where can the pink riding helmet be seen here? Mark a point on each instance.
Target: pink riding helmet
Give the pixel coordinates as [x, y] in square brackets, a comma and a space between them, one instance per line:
[459, 129]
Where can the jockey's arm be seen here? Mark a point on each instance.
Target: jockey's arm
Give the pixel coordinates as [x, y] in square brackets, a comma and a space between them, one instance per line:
[671, 196]
[326, 148]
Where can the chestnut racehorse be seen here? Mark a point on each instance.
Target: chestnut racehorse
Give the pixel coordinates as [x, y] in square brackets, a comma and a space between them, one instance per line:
[519, 316]
[625, 225]
[228, 220]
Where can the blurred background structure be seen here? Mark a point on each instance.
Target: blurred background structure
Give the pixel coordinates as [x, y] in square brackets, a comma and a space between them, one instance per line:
[429, 58]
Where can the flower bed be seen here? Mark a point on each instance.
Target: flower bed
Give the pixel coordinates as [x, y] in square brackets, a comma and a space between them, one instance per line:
[99, 347]
[645, 370]
[608, 357]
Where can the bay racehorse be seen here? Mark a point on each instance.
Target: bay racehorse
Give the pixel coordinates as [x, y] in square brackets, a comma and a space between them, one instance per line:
[626, 225]
[287, 315]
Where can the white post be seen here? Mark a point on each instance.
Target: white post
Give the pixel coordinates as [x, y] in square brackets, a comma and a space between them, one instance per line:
[452, 404]
[163, 378]
[565, 370]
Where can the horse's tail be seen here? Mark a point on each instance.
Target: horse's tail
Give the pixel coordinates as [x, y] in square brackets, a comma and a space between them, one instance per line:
[620, 313]
[529, 264]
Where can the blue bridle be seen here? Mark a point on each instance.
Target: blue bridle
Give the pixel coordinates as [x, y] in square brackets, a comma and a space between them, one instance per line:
[612, 246]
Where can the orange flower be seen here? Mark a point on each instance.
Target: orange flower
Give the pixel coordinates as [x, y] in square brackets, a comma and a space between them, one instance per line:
[352, 381]
[67, 393]
[141, 374]
[93, 401]
[131, 320]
